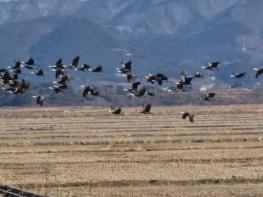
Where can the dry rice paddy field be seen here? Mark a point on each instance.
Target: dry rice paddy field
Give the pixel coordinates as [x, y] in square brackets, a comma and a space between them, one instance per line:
[89, 152]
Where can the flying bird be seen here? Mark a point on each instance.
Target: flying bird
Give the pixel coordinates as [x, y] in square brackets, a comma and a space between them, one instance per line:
[238, 75]
[135, 85]
[151, 78]
[85, 67]
[59, 73]
[190, 116]
[59, 65]
[65, 78]
[39, 72]
[209, 96]
[74, 64]
[16, 66]
[147, 109]
[30, 63]
[89, 90]
[39, 100]
[97, 69]
[133, 90]
[116, 110]
[198, 75]
[186, 80]
[125, 67]
[180, 85]
[212, 66]
[159, 78]
[259, 71]
[5, 77]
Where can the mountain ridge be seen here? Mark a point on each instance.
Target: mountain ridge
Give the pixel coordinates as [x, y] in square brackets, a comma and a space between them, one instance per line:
[164, 35]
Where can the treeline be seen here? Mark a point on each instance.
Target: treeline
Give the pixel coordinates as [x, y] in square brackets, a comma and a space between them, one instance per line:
[114, 95]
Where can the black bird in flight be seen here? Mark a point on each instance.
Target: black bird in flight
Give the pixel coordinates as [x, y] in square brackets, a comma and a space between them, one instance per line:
[85, 67]
[39, 72]
[29, 64]
[39, 100]
[16, 66]
[5, 76]
[89, 90]
[238, 75]
[65, 78]
[59, 73]
[97, 69]
[59, 65]
[74, 64]
[147, 109]
[133, 90]
[212, 66]
[140, 93]
[186, 80]
[209, 96]
[180, 85]
[190, 116]
[259, 71]
[198, 75]
[116, 110]
[125, 68]
[151, 78]
[159, 78]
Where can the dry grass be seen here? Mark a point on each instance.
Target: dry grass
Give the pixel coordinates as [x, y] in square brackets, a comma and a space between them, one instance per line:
[87, 151]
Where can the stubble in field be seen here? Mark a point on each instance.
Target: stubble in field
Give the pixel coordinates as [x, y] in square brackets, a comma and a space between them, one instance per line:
[87, 151]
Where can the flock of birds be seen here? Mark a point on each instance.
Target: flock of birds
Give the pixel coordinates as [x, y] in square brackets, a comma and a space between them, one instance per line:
[13, 81]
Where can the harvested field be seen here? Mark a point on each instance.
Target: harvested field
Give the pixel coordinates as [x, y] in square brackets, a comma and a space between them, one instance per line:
[89, 152]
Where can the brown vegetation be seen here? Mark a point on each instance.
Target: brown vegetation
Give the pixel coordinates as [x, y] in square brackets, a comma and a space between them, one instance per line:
[88, 151]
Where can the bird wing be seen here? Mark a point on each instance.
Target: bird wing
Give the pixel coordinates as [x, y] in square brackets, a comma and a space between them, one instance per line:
[184, 115]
